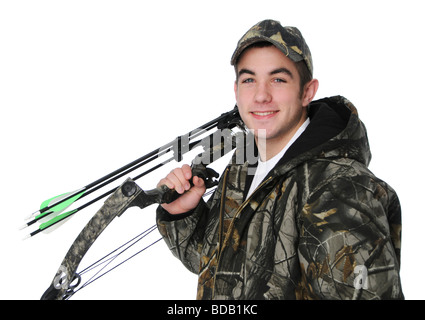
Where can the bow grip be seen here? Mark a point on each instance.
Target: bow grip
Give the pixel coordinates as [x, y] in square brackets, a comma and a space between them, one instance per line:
[163, 194]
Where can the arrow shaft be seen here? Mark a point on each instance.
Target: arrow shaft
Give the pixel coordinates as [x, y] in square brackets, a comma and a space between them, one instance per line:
[222, 120]
[57, 219]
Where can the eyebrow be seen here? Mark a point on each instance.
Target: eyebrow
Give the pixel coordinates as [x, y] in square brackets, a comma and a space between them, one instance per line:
[282, 70]
[279, 70]
[245, 71]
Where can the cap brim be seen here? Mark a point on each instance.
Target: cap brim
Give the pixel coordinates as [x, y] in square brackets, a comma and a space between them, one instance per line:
[294, 56]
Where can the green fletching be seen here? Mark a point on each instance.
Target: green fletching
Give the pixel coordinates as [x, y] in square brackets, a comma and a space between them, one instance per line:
[56, 219]
[61, 206]
[47, 202]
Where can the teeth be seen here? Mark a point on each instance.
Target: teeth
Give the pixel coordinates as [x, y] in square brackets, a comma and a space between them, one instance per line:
[263, 113]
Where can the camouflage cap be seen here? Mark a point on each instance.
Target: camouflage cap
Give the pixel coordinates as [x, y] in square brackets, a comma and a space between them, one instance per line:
[287, 39]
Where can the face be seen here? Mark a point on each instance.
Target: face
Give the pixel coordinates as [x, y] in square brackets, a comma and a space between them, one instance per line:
[268, 95]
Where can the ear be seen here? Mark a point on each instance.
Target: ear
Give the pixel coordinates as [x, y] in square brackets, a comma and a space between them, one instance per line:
[310, 90]
[236, 89]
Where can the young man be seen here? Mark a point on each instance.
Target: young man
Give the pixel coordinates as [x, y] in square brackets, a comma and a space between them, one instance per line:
[313, 222]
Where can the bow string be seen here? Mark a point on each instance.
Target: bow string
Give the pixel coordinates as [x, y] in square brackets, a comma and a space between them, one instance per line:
[129, 194]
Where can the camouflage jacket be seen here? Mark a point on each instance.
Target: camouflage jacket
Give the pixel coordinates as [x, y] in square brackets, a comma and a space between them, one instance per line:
[319, 226]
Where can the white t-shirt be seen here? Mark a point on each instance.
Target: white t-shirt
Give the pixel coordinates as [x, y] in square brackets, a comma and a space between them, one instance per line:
[264, 167]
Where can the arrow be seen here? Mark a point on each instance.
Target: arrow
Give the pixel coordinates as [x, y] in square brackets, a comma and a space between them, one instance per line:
[51, 222]
[57, 203]
[180, 145]
[61, 217]
[56, 206]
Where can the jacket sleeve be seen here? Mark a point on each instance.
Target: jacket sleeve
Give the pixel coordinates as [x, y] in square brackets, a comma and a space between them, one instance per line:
[184, 233]
[350, 241]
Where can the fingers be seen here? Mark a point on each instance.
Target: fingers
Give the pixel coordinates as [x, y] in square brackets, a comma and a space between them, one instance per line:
[178, 179]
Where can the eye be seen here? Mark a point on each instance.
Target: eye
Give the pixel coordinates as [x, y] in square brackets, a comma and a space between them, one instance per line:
[247, 80]
[280, 80]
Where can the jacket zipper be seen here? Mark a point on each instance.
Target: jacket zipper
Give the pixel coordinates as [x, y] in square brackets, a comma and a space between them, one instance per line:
[221, 217]
[220, 225]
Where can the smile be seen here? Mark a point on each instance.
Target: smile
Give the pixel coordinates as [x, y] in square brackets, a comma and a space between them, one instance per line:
[264, 114]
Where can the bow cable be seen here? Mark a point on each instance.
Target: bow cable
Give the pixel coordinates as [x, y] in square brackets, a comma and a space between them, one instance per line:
[109, 258]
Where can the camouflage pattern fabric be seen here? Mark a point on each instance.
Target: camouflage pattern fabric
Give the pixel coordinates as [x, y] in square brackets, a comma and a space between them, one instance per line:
[319, 226]
[289, 40]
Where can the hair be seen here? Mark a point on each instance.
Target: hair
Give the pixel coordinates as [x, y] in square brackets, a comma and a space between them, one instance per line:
[301, 66]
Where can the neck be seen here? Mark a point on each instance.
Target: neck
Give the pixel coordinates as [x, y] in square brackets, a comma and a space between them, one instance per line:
[270, 147]
[267, 149]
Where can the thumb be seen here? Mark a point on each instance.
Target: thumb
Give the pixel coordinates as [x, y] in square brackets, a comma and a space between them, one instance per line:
[198, 185]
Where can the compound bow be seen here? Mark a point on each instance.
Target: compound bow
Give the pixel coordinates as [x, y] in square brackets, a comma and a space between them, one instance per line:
[129, 194]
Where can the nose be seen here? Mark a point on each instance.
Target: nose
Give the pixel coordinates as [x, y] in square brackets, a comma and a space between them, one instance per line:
[262, 93]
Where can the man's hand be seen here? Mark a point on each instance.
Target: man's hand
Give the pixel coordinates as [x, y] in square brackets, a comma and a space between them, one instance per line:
[179, 180]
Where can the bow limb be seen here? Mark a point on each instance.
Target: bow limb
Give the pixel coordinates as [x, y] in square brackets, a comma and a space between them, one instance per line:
[123, 198]
[127, 195]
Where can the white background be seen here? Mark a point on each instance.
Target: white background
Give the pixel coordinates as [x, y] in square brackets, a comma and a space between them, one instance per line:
[88, 86]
